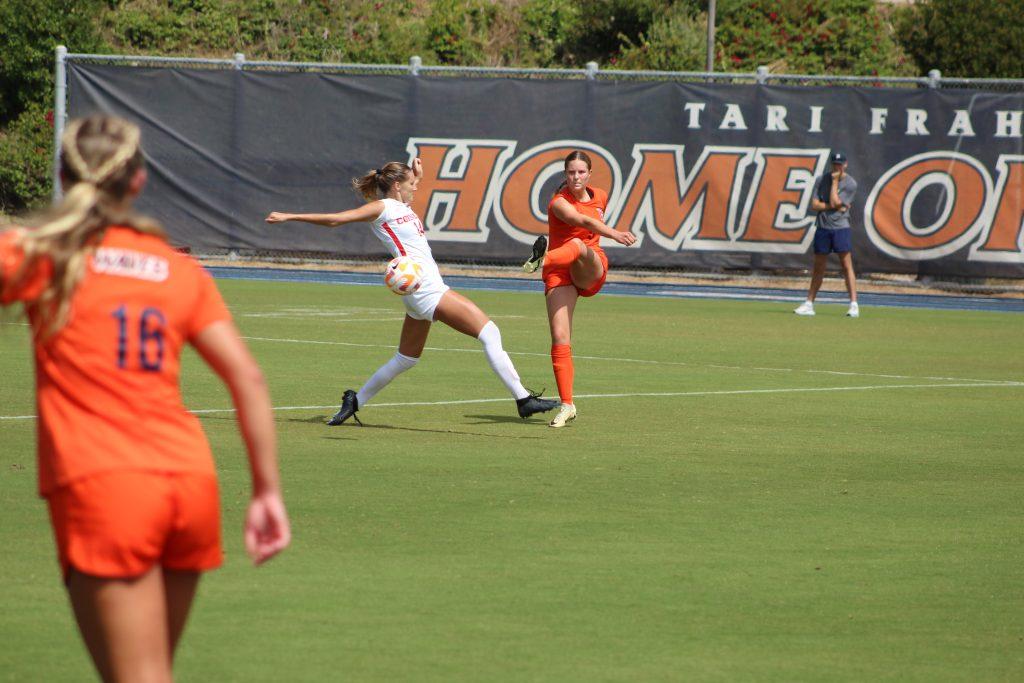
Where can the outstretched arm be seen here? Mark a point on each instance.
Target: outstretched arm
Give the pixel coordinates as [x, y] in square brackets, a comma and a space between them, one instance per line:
[564, 212]
[365, 213]
[267, 531]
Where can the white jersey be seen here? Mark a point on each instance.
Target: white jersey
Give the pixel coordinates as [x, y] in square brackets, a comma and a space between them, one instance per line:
[401, 231]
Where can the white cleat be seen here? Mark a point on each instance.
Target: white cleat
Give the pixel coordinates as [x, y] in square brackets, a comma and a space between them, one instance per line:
[853, 311]
[566, 414]
[806, 308]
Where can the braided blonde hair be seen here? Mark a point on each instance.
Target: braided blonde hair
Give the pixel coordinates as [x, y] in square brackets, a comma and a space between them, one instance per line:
[100, 156]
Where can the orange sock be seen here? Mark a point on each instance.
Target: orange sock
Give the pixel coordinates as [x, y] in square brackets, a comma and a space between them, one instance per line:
[561, 362]
[563, 255]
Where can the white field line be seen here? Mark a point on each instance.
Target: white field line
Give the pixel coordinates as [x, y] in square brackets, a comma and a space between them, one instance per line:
[656, 394]
[641, 361]
[322, 318]
[328, 317]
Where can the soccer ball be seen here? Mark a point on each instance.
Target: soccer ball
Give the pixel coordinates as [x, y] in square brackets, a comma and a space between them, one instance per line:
[403, 275]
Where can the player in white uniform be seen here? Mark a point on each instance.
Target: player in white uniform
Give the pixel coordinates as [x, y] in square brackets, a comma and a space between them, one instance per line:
[388, 192]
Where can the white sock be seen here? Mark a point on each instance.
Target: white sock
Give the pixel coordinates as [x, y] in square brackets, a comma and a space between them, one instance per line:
[395, 366]
[499, 361]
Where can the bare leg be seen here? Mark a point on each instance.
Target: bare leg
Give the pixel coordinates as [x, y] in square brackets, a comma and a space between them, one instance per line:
[561, 302]
[846, 260]
[817, 275]
[124, 623]
[179, 592]
[460, 314]
[587, 269]
[410, 348]
[414, 337]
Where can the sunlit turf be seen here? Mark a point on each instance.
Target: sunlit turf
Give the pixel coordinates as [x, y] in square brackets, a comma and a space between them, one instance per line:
[745, 495]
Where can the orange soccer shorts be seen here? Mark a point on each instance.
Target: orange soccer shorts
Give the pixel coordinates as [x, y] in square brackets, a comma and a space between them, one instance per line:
[559, 276]
[120, 524]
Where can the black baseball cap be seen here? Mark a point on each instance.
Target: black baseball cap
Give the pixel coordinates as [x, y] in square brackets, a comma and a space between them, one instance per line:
[838, 158]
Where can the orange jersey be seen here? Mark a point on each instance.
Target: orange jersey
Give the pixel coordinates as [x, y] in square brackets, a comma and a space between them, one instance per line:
[559, 233]
[107, 391]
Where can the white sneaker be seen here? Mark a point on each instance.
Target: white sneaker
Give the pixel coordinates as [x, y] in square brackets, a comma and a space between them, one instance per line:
[566, 414]
[806, 308]
[853, 311]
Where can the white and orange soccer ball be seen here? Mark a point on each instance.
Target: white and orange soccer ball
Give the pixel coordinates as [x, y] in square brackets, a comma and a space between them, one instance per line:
[403, 275]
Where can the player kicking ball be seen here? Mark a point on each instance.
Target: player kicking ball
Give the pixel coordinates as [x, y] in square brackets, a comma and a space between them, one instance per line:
[388, 191]
[575, 266]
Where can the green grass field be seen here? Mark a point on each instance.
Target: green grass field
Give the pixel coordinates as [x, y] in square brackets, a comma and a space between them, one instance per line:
[746, 495]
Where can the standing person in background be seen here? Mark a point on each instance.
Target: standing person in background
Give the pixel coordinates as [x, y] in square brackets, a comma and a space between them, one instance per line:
[126, 471]
[388, 191]
[574, 266]
[833, 194]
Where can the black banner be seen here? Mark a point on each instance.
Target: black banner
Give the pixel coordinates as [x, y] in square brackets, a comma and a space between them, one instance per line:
[707, 176]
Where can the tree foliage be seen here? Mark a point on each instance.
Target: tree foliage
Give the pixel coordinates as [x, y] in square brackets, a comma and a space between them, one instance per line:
[30, 31]
[965, 38]
[809, 36]
[26, 153]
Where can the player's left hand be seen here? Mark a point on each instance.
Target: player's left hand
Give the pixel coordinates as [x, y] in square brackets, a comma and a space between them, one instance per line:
[624, 238]
[267, 530]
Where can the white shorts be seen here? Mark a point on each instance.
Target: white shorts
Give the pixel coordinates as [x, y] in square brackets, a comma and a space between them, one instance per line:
[421, 304]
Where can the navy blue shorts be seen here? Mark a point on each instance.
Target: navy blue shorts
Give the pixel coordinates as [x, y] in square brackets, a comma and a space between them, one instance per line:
[828, 241]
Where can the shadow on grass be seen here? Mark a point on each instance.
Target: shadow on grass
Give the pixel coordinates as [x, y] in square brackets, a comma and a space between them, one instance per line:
[446, 431]
[505, 419]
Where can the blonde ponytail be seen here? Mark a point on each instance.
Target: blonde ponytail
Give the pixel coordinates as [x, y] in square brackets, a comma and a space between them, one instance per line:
[100, 156]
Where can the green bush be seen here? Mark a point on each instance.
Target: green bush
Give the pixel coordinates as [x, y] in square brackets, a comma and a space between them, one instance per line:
[603, 26]
[457, 29]
[808, 36]
[675, 42]
[964, 38]
[546, 27]
[26, 160]
[30, 31]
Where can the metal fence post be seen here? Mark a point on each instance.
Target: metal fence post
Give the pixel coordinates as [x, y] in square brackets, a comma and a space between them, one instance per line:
[592, 70]
[934, 78]
[59, 115]
[239, 60]
[415, 62]
[761, 75]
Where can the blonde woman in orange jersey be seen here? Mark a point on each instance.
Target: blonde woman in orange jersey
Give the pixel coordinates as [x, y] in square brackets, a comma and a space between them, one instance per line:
[126, 471]
[574, 266]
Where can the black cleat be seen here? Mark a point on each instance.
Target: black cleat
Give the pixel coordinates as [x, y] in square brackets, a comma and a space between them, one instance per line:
[540, 247]
[349, 408]
[533, 404]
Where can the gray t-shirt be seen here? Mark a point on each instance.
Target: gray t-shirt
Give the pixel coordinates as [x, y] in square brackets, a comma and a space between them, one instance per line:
[835, 219]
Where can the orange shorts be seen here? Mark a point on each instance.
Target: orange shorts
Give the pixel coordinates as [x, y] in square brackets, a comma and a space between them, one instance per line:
[559, 276]
[120, 524]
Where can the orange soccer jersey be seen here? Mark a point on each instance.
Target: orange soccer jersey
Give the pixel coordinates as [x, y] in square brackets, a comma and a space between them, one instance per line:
[556, 273]
[107, 382]
[559, 233]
